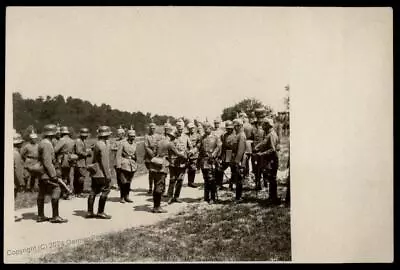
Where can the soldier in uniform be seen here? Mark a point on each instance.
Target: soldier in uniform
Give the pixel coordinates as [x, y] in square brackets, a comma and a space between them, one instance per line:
[64, 150]
[48, 183]
[239, 156]
[83, 152]
[159, 166]
[150, 143]
[18, 168]
[247, 129]
[218, 131]
[113, 158]
[257, 136]
[226, 154]
[210, 147]
[268, 152]
[193, 154]
[57, 137]
[178, 164]
[126, 164]
[100, 174]
[30, 155]
[199, 127]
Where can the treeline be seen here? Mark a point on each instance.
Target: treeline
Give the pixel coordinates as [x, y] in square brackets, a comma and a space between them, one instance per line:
[76, 113]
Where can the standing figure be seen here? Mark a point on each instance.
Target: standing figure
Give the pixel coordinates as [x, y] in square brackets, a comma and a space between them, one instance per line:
[159, 166]
[247, 129]
[193, 154]
[101, 173]
[83, 152]
[226, 155]
[113, 157]
[178, 163]
[18, 168]
[210, 147]
[257, 136]
[48, 183]
[64, 150]
[217, 130]
[199, 127]
[239, 156]
[126, 164]
[30, 156]
[150, 143]
[268, 156]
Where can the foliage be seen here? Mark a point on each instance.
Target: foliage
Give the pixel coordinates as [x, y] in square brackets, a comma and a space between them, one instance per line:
[247, 105]
[76, 113]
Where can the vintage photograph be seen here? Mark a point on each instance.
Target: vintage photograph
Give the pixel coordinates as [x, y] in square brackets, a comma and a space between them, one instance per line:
[148, 135]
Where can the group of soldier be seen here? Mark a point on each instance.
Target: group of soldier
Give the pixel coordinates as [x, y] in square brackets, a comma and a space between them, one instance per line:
[59, 163]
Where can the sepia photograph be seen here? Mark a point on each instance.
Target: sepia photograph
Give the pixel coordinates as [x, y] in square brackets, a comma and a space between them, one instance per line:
[164, 135]
[148, 135]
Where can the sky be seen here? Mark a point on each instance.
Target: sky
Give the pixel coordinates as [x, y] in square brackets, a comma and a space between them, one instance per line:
[182, 61]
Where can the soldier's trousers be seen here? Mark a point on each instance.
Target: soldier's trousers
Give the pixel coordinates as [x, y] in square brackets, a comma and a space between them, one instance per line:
[151, 175]
[159, 186]
[210, 187]
[99, 186]
[47, 188]
[219, 174]
[269, 175]
[125, 180]
[175, 182]
[237, 178]
[258, 170]
[31, 178]
[67, 175]
[79, 179]
[192, 168]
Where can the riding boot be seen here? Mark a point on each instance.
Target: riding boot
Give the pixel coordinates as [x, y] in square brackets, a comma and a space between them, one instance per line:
[91, 203]
[102, 204]
[54, 206]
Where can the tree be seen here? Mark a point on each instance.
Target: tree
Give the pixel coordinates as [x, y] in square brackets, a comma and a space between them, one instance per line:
[76, 113]
[247, 105]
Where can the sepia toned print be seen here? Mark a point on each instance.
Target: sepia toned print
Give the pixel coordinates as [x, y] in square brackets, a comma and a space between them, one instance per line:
[165, 134]
[144, 181]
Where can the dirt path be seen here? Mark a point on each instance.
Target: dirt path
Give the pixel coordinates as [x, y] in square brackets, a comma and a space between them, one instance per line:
[27, 240]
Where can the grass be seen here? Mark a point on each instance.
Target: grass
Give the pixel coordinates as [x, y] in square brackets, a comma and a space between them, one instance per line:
[28, 199]
[227, 232]
[251, 231]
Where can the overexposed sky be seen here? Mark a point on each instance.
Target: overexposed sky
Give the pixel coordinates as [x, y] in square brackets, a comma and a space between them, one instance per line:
[187, 61]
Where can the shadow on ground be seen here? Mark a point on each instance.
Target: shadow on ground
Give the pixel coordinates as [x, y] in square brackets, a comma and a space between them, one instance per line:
[29, 216]
[143, 208]
[80, 213]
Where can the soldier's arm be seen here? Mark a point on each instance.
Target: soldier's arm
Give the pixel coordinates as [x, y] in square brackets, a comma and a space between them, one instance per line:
[47, 160]
[104, 162]
[118, 157]
[147, 148]
[189, 144]
[241, 148]
[80, 149]
[18, 169]
[59, 146]
[217, 150]
[173, 149]
[24, 151]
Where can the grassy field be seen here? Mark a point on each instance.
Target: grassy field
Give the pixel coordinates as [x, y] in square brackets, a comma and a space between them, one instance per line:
[28, 199]
[244, 232]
